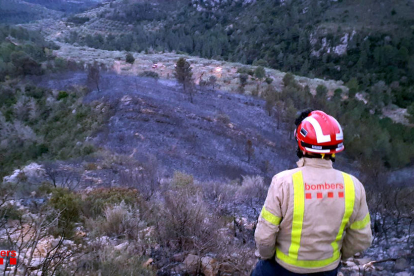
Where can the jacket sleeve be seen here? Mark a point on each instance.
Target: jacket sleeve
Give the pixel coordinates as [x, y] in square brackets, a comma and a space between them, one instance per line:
[358, 235]
[269, 220]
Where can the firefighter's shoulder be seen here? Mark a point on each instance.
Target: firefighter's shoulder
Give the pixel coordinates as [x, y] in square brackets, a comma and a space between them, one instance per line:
[284, 177]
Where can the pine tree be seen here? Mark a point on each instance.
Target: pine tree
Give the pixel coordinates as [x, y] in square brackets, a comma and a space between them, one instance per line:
[183, 73]
[249, 150]
[259, 73]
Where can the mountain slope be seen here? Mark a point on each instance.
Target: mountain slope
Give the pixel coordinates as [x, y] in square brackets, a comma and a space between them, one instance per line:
[18, 11]
[364, 42]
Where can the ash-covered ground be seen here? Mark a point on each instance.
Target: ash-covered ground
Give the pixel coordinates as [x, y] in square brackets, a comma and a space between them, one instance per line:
[207, 138]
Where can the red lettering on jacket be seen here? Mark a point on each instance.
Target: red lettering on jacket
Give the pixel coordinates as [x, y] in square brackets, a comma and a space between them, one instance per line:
[325, 186]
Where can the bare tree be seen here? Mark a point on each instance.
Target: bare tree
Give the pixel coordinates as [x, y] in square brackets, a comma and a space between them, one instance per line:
[61, 176]
[143, 177]
[279, 112]
[51, 172]
[94, 75]
[249, 150]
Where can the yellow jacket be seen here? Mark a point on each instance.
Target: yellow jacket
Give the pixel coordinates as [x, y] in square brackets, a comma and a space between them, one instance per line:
[313, 215]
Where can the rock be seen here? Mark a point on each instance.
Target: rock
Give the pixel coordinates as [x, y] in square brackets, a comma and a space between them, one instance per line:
[401, 264]
[179, 269]
[208, 266]
[148, 262]
[80, 234]
[178, 257]
[396, 251]
[362, 261]
[404, 274]
[30, 173]
[226, 269]
[103, 240]
[349, 263]
[121, 247]
[191, 263]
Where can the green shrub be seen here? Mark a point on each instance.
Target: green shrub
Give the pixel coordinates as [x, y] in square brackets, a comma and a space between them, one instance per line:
[78, 20]
[245, 70]
[269, 80]
[95, 202]
[62, 95]
[7, 97]
[35, 92]
[130, 58]
[10, 212]
[68, 205]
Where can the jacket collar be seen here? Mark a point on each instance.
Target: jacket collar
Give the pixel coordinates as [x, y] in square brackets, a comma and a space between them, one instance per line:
[314, 162]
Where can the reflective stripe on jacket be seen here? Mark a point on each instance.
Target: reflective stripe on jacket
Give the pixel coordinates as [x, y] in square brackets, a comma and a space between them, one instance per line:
[313, 216]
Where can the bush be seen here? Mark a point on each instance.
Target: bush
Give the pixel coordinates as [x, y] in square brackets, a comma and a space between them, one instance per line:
[110, 262]
[269, 80]
[245, 70]
[96, 201]
[186, 223]
[35, 92]
[10, 212]
[130, 58]
[121, 219]
[62, 95]
[220, 192]
[223, 118]
[181, 179]
[68, 204]
[7, 97]
[252, 190]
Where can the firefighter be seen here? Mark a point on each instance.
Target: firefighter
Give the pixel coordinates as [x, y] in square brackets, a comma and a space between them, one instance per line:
[313, 215]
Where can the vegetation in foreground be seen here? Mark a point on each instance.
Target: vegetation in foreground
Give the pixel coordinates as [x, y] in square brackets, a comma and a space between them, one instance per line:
[146, 226]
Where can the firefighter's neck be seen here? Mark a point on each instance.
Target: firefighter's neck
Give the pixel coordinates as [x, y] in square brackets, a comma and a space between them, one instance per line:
[319, 156]
[314, 162]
